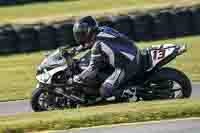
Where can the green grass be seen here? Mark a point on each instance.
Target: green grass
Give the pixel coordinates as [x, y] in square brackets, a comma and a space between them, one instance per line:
[17, 78]
[61, 10]
[100, 115]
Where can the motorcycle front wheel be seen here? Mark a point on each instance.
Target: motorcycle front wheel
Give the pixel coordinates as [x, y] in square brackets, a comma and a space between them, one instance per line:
[42, 100]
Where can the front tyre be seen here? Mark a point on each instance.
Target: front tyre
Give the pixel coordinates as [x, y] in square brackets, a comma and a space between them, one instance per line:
[42, 100]
[35, 100]
[173, 78]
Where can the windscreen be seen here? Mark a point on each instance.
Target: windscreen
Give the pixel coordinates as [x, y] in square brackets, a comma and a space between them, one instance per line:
[54, 59]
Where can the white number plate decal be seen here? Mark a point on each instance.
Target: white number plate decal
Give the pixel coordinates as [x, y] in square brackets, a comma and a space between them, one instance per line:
[160, 52]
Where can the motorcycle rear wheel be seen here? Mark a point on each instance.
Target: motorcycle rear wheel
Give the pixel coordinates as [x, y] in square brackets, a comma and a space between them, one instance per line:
[174, 78]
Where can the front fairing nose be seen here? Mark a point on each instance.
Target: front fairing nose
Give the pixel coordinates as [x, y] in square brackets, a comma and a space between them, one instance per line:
[41, 68]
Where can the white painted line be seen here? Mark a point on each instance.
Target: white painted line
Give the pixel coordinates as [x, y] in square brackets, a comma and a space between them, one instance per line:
[139, 123]
[124, 124]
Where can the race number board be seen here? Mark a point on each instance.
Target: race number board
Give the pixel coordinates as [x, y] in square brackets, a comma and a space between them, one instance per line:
[160, 52]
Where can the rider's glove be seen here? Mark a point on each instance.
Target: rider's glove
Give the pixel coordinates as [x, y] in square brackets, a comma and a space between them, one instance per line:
[77, 79]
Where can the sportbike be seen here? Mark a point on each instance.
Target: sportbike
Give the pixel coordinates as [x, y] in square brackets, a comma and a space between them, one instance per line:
[57, 90]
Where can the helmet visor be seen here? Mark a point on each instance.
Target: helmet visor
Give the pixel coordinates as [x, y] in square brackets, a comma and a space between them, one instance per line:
[80, 32]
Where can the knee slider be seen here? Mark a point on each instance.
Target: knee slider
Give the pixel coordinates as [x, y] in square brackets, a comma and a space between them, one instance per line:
[106, 90]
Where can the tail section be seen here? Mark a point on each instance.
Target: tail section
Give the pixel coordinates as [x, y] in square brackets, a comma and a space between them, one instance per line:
[163, 54]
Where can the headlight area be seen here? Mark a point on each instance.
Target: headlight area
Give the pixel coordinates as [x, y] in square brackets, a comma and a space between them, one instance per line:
[41, 69]
[39, 72]
[44, 77]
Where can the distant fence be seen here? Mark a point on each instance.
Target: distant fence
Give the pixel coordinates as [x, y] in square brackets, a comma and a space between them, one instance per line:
[144, 27]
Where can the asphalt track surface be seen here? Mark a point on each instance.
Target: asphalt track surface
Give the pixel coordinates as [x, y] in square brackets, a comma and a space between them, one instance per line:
[15, 107]
[171, 126]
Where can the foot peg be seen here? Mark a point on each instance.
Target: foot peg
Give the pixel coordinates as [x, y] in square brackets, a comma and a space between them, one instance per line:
[130, 94]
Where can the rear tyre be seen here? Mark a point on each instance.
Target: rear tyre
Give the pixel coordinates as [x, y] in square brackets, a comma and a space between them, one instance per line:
[172, 76]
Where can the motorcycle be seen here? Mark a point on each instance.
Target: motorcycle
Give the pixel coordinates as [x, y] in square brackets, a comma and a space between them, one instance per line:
[56, 88]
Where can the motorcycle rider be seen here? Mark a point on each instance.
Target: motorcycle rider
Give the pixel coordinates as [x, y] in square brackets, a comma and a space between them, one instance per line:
[108, 46]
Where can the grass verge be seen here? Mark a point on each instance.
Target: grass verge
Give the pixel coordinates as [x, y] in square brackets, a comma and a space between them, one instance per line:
[100, 115]
[57, 11]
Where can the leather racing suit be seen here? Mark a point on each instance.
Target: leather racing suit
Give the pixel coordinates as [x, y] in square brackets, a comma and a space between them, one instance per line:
[115, 49]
